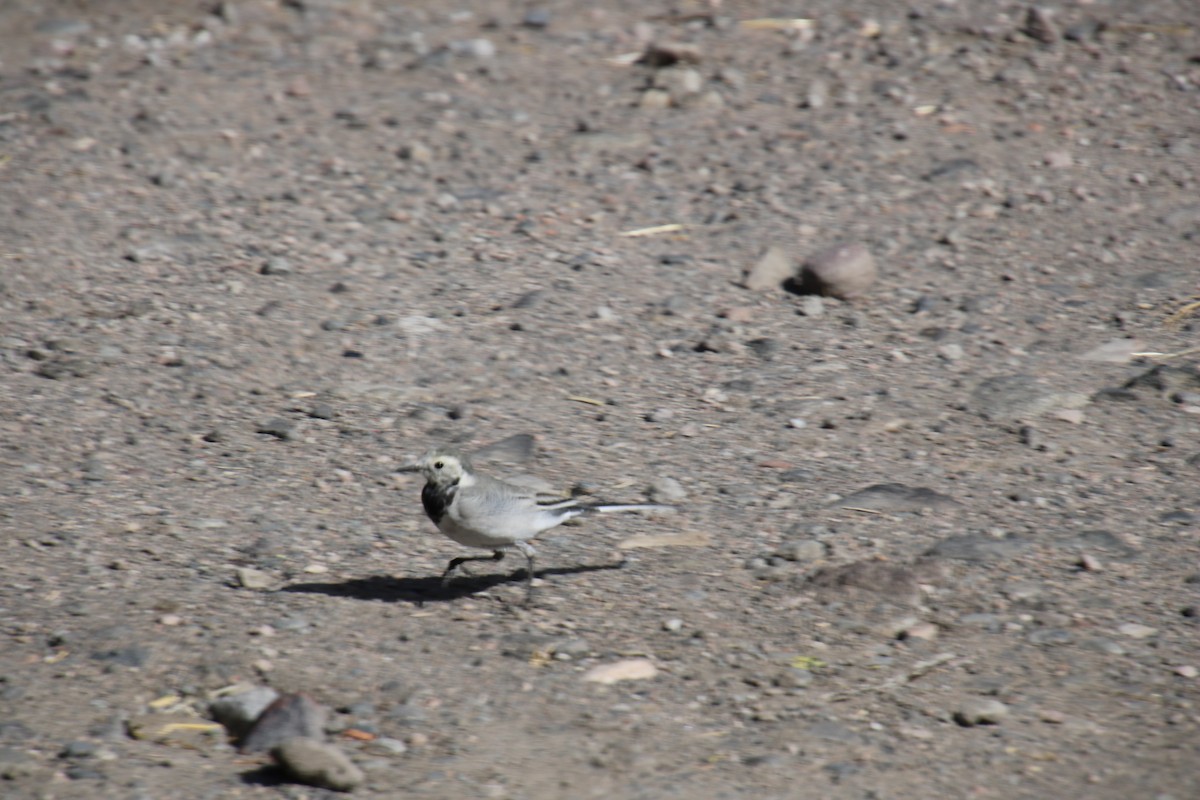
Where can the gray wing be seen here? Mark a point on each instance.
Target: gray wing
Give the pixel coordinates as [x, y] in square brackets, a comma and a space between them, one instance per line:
[502, 509]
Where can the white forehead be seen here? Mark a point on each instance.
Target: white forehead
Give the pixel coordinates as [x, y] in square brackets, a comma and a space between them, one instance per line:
[447, 459]
[438, 464]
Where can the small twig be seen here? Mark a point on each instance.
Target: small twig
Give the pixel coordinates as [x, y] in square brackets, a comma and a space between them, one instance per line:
[656, 229]
[1180, 313]
[1165, 356]
[865, 510]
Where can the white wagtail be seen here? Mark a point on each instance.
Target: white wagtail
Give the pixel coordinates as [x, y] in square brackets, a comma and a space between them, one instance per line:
[480, 511]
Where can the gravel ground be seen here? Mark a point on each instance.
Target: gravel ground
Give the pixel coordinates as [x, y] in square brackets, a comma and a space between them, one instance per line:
[940, 515]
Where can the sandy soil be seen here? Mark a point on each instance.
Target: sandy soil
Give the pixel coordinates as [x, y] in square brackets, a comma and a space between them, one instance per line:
[938, 540]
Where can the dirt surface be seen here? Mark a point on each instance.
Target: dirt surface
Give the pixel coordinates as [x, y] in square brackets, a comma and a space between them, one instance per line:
[938, 540]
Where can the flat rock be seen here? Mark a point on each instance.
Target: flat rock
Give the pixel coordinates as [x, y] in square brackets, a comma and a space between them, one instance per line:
[631, 669]
[898, 497]
[894, 582]
[174, 728]
[649, 540]
[1135, 630]
[1116, 351]
[1011, 398]
[317, 763]
[977, 547]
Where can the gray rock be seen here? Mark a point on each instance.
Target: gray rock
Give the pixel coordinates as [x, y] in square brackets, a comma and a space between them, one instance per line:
[812, 306]
[237, 712]
[389, 746]
[681, 83]
[536, 18]
[78, 749]
[318, 764]
[980, 711]
[1106, 541]
[66, 366]
[134, 655]
[792, 678]
[1051, 637]
[801, 550]
[1040, 26]
[844, 271]
[322, 411]
[666, 490]
[1104, 646]
[16, 765]
[290, 716]
[254, 579]
[660, 415]
[1136, 630]
[771, 270]
[1165, 380]
[978, 547]
[898, 497]
[894, 582]
[1010, 398]
[279, 427]
[276, 266]
[482, 49]
[667, 54]
[766, 349]
[571, 648]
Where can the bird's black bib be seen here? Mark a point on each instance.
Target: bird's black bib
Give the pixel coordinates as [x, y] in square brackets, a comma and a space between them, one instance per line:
[436, 501]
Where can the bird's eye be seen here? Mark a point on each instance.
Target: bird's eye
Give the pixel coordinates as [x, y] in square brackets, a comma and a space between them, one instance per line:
[439, 464]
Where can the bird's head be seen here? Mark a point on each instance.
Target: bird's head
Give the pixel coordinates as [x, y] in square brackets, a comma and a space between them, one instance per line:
[442, 467]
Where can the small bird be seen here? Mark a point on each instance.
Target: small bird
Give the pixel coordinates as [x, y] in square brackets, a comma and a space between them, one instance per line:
[477, 510]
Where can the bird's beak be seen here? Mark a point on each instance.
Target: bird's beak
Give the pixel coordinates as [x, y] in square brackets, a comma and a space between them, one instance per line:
[413, 467]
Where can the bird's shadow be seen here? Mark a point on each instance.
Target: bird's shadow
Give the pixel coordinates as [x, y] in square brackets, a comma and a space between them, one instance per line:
[430, 589]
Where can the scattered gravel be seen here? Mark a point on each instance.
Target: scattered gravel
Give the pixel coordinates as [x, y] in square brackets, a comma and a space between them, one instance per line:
[258, 255]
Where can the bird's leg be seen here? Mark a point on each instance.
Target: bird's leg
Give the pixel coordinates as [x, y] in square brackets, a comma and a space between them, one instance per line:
[457, 564]
[529, 553]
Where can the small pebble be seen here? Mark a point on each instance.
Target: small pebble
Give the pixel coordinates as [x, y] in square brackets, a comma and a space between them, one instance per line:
[980, 711]
[666, 490]
[254, 579]
[660, 415]
[924, 631]
[673, 625]
[1136, 630]
[812, 306]
[1187, 671]
[475, 48]
[801, 550]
